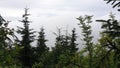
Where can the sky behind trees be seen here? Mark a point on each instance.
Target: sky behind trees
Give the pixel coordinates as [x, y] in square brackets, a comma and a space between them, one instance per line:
[79, 34]
[54, 13]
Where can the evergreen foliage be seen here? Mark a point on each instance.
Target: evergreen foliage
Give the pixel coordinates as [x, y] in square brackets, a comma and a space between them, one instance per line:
[16, 53]
[41, 50]
[86, 30]
[41, 45]
[26, 52]
[111, 37]
[114, 3]
[8, 51]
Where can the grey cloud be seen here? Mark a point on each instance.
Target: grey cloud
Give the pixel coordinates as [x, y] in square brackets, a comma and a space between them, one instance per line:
[53, 13]
[16, 3]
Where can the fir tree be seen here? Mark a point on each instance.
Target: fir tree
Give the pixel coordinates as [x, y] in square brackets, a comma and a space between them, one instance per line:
[86, 30]
[7, 37]
[73, 48]
[65, 49]
[57, 50]
[111, 38]
[61, 49]
[27, 38]
[41, 44]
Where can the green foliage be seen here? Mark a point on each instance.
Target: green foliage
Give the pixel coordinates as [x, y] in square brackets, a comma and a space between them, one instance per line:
[41, 43]
[86, 30]
[110, 40]
[41, 51]
[8, 51]
[26, 53]
[73, 45]
[15, 53]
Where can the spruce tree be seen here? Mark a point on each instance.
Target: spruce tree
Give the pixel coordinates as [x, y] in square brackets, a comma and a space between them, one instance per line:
[57, 50]
[7, 37]
[26, 53]
[71, 49]
[111, 38]
[86, 32]
[41, 48]
[61, 49]
[73, 45]
[5, 33]
[65, 49]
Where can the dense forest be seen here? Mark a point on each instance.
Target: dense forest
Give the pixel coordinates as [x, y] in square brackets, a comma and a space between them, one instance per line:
[20, 53]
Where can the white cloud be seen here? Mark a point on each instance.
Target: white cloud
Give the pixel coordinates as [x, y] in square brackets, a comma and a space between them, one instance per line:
[53, 13]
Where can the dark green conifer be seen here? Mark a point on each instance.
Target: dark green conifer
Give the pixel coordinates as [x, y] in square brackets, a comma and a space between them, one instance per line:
[73, 45]
[111, 38]
[26, 53]
[41, 44]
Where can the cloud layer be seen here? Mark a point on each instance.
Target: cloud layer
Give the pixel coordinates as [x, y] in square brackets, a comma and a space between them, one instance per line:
[53, 13]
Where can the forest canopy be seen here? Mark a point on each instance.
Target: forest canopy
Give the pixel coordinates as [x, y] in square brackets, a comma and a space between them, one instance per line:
[19, 52]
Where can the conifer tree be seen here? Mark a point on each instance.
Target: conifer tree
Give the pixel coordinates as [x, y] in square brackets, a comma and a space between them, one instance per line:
[27, 38]
[72, 49]
[61, 49]
[7, 37]
[111, 38]
[73, 45]
[57, 50]
[86, 31]
[65, 49]
[41, 44]
[5, 32]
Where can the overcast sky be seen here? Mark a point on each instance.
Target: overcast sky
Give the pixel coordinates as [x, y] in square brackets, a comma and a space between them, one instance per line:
[55, 13]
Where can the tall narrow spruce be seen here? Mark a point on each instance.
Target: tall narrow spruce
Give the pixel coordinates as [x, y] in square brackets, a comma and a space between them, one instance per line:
[26, 52]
